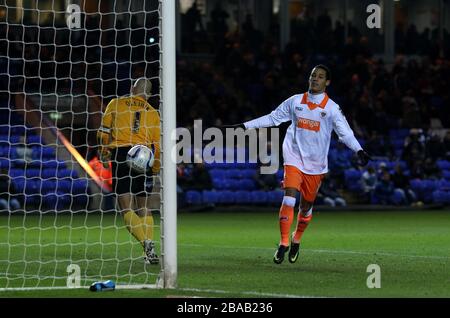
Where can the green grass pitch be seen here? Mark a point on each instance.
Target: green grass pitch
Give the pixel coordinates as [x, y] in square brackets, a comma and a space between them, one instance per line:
[230, 255]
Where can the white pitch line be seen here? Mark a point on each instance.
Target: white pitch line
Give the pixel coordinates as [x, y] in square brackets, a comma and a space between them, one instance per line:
[374, 253]
[137, 287]
[247, 293]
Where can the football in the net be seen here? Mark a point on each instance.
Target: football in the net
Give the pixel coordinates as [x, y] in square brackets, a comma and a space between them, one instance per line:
[140, 158]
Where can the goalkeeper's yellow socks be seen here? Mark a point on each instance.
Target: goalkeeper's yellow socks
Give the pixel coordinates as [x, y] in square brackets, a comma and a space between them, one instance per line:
[302, 224]
[285, 218]
[147, 226]
[134, 225]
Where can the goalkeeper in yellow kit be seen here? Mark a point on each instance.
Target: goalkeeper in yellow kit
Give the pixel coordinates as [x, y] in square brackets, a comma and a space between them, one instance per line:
[129, 121]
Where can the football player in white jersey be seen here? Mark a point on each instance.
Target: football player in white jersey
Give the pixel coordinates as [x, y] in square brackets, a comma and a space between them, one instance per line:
[314, 116]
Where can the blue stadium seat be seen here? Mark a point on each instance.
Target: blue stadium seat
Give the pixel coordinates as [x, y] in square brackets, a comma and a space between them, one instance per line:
[248, 173]
[56, 201]
[233, 184]
[275, 196]
[443, 164]
[32, 173]
[217, 173]
[66, 173]
[5, 163]
[17, 130]
[34, 139]
[80, 186]
[33, 199]
[193, 197]
[258, 197]
[280, 174]
[226, 197]
[4, 130]
[32, 186]
[65, 186]
[49, 173]
[417, 185]
[16, 172]
[242, 197]
[247, 184]
[210, 197]
[352, 174]
[446, 174]
[440, 196]
[49, 186]
[443, 184]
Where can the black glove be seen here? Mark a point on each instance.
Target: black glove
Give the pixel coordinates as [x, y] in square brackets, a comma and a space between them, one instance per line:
[233, 126]
[364, 157]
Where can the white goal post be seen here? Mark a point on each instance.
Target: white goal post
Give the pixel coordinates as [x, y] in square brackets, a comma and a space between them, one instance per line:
[61, 62]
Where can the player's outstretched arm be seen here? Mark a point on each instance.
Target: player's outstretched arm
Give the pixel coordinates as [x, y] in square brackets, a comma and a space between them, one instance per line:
[364, 157]
[233, 126]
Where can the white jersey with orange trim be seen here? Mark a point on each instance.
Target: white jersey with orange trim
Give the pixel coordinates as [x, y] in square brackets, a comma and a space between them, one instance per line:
[307, 139]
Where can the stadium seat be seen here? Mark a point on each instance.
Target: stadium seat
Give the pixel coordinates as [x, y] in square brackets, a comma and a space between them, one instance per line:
[217, 173]
[49, 173]
[280, 174]
[242, 197]
[210, 197]
[446, 174]
[275, 196]
[443, 164]
[248, 173]
[32, 173]
[13, 173]
[65, 186]
[440, 197]
[34, 139]
[66, 173]
[193, 197]
[32, 186]
[258, 197]
[225, 197]
[247, 184]
[5, 163]
[80, 186]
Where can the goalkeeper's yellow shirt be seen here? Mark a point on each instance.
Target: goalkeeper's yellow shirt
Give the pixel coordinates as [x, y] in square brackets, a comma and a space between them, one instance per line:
[130, 121]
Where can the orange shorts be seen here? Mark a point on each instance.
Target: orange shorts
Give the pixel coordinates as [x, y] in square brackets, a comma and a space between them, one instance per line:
[307, 184]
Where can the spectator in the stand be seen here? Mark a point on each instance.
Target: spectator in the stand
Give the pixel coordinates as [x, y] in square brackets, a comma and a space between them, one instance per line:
[182, 181]
[434, 147]
[446, 145]
[219, 25]
[24, 152]
[416, 170]
[9, 199]
[402, 185]
[266, 181]
[384, 190]
[382, 168]
[379, 145]
[414, 148]
[193, 23]
[199, 179]
[369, 181]
[330, 194]
[431, 170]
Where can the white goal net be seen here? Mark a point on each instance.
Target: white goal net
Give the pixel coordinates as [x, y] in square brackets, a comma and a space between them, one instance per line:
[61, 63]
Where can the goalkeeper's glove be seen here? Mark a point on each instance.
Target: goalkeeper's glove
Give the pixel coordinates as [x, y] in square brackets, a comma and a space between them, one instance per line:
[105, 157]
[364, 157]
[234, 126]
